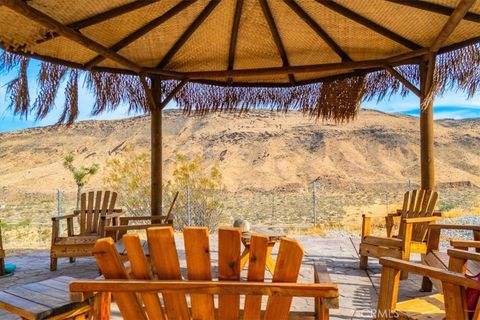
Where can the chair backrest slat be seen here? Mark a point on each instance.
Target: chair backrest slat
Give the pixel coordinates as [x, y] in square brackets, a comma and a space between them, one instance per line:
[163, 253]
[411, 207]
[96, 215]
[106, 198]
[89, 212]
[229, 240]
[256, 272]
[140, 271]
[406, 199]
[94, 205]
[83, 210]
[420, 203]
[419, 232]
[197, 253]
[109, 262]
[113, 200]
[287, 267]
[425, 203]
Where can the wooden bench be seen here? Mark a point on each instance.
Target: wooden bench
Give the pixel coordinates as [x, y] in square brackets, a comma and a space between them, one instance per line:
[137, 294]
[49, 299]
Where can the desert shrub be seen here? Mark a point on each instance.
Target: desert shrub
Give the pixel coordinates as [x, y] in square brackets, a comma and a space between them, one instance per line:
[199, 202]
[24, 223]
[445, 207]
[129, 176]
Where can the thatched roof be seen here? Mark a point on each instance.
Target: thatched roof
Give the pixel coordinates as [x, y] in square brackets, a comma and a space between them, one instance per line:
[328, 55]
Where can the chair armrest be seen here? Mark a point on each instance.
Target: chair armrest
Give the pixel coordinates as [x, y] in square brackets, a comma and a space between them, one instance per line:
[457, 244]
[135, 227]
[117, 213]
[277, 289]
[431, 272]
[422, 219]
[454, 227]
[65, 217]
[384, 242]
[321, 276]
[463, 254]
[395, 214]
[137, 218]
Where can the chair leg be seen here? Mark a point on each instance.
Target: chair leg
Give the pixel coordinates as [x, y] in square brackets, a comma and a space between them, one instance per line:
[72, 259]
[363, 262]
[53, 264]
[427, 285]
[2, 266]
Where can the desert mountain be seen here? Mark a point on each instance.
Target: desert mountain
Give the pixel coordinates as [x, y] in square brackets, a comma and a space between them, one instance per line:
[257, 150]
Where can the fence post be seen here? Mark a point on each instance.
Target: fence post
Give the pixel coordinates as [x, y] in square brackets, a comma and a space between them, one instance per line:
[314, 202]
[59, 210]
[189, 211]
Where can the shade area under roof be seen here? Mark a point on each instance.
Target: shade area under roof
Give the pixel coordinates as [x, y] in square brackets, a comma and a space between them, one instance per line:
[242, 42]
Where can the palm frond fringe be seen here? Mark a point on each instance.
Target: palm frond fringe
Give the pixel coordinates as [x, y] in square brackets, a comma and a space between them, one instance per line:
[338, 99]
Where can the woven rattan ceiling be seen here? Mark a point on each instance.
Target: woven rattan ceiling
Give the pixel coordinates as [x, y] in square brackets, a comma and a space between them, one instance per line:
[243, 42]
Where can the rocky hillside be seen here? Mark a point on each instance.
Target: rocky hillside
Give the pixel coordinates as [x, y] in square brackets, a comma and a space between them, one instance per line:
[255, 151]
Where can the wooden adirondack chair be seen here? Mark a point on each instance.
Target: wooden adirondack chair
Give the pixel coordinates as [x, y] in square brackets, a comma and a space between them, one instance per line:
[435, 257]
[449, 305]
[137, 295]
[415, 217]
[97, 210]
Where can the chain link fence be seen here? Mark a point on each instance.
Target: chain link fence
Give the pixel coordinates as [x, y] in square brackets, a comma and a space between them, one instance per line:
[29, 220]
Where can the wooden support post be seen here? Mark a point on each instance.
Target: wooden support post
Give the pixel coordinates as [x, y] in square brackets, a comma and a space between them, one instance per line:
[427, 67]
[156, 148]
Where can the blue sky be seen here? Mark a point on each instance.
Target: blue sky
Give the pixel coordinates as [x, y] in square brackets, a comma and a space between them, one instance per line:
[451, 105]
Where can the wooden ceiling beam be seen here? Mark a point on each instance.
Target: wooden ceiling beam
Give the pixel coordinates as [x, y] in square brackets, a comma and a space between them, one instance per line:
[39, 17]
[403, 80]
[460, 45]
[234, 36]
[142, 31]
[453, 21]
[101, 17]
[172, 94]
[276, 37]
[369, 24]
[188, 33]
[436, 8]
[340, 66]
[149, 93]
[318, 29]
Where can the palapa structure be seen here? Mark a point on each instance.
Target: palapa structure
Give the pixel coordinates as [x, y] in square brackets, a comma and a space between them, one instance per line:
[322, 57]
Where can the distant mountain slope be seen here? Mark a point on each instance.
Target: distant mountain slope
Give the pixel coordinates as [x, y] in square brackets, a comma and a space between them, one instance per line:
[258, 150]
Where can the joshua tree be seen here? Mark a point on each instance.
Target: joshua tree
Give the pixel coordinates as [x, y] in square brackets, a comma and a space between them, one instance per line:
[80, 175]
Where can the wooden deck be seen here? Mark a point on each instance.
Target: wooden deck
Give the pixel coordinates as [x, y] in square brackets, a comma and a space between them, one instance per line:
[358, 289]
